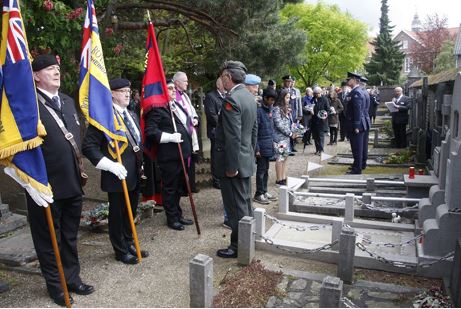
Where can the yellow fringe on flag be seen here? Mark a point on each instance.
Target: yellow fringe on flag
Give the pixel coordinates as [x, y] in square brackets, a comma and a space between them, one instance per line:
[26, 178]
[14, 149]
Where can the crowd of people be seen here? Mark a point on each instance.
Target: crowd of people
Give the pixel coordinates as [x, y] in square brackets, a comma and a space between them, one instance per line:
[245, 126]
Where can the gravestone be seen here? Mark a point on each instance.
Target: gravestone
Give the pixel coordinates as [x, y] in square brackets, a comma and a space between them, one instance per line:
[8, 220]
[442, 232]
[428, 206]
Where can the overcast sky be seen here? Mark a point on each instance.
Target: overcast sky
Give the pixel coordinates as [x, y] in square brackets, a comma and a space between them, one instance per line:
[401, 12]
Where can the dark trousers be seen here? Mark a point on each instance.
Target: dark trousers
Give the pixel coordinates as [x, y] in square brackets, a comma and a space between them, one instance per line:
[365, 149]
[307, 136]
[333, 135]
[262, 175]
[191, 173]
[213, 162]
[66, 217]
[236, 196]
[400, 134]
[342, 126]
[173, 186]
[356, 140]
[319, 138]
[120, 234]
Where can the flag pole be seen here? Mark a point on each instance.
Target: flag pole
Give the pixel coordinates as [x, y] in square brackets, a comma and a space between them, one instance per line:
[186, 176]
[62, 278]
[128, 206]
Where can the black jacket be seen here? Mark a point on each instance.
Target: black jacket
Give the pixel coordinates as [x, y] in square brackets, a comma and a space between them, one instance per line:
[60, 159]
[401, 117]
[95, 147]
[321, 103]
[157, 121]
[213, 103]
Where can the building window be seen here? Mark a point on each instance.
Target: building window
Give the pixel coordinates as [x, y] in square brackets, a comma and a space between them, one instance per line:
[408, 63]
[405, 44]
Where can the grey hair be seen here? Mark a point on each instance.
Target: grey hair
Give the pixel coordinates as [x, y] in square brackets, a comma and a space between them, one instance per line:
[317, 89]
[236, 69]
[178, 74]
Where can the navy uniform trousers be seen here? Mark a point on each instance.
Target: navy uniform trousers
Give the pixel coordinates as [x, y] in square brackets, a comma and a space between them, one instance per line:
[357, 141]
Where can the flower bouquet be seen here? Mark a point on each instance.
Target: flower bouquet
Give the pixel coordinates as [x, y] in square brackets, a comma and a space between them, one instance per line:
[298, 129]
[282, 150]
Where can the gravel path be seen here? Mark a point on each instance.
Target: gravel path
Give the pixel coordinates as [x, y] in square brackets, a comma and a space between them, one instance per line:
[161, 280]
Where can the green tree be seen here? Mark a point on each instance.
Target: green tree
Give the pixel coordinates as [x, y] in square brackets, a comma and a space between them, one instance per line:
[445, 59]
[387, 59]
[193, 37]
[336, 42]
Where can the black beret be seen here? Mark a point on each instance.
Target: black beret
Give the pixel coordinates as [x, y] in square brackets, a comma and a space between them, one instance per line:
[118, 83]
[43, 61]
[271, 82]
[353, 75]
[343, 83]
[231, 64]
[288, 77]
[169, 81]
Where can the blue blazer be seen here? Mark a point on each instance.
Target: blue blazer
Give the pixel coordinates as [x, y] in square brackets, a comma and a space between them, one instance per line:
[355, 117]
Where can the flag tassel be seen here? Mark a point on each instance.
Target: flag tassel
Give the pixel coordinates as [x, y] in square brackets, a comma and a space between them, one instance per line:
[128, 208]
[15, 148]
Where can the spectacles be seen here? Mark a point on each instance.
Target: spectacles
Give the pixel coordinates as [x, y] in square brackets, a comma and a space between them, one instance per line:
[124, 90]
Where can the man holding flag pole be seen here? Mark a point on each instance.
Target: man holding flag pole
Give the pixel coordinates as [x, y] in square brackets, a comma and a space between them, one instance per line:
[165, 128]
[111, 136]
[24, 125]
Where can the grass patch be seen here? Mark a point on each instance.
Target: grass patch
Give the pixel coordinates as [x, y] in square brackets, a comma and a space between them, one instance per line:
[250, 287]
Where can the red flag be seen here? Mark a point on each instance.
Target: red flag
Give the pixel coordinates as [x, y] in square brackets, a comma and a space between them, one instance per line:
[154, 92]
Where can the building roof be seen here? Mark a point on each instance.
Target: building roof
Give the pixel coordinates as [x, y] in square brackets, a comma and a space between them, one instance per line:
[457, 48]
[445, 76]
[453, 32]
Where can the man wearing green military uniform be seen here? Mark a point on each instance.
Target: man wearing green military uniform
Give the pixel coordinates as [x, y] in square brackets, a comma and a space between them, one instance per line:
[236, 135]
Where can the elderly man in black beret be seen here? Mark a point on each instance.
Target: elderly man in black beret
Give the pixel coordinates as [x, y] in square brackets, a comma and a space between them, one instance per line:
[59, 115]
[95, 148]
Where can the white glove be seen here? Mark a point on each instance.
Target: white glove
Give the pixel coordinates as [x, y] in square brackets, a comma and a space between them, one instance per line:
[194, 122]
[39, 198]
[114, 167]
[170, 138]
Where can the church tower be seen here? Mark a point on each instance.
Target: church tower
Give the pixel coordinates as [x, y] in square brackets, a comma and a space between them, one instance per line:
[416, 24]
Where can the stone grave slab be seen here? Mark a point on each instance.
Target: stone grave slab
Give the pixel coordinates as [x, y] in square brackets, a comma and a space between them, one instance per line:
[17, 249]
[374, 238]
[419, 186]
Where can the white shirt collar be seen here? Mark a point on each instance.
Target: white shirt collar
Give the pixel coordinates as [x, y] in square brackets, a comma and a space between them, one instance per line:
[233, 88]
[119, 109]
[48, 94]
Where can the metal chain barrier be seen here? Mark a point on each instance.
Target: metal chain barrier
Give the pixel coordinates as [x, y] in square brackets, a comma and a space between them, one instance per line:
[299, 228]
[448, 257]
[305, 199]
[367, 242]
[385, 209]
[348, 303]
[300, 251]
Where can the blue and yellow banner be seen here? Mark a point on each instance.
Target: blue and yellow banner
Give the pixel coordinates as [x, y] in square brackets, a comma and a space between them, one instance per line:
[95, 97]
[20, 128]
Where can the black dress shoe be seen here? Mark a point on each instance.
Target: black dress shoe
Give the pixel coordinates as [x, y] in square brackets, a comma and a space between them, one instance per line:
[186, 221]
[126, 258]
[59, 300]
[81, 289]
[352, 173]
[227, 253]
[294, 150]
[132, 250]
[176, 226]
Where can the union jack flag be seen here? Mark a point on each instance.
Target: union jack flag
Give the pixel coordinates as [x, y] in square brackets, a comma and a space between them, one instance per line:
[90, 19]
[17, 45]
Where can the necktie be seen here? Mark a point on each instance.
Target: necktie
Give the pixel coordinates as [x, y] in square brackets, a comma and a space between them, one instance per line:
[56, 103]
[130, 127]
